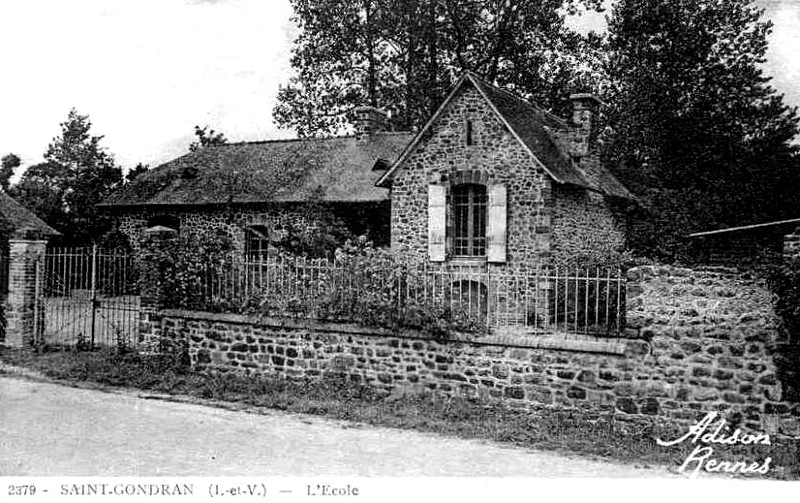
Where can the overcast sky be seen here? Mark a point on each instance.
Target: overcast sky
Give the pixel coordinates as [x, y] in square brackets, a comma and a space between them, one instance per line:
[147, 71]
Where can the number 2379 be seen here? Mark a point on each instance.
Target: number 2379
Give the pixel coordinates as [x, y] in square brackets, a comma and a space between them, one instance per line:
[24, 490]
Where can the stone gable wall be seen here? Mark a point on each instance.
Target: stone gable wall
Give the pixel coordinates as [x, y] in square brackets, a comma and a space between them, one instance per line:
[495, 157]
[542, 217]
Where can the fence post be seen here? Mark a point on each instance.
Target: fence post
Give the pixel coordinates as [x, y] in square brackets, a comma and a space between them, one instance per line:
[25, 252]
[94, 292]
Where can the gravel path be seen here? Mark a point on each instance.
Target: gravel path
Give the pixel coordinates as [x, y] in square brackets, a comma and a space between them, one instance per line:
[52, 430]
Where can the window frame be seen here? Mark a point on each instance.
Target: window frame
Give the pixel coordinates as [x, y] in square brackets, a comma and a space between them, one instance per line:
[260, 234]
[470, 221]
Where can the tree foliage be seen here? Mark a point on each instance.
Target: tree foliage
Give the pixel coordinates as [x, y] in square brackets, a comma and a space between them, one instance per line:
[136, 171]
[42, 189]
[8, 163]
[402, 56]
[697, 131]
[77, 175]
[206, 137]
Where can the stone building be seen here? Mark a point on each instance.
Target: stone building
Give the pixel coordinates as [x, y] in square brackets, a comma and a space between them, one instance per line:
[494, 181]
[490, 180]
[257, 193]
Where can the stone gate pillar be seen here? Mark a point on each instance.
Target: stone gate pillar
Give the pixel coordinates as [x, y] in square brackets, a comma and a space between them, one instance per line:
[151, 290]
[26, 253]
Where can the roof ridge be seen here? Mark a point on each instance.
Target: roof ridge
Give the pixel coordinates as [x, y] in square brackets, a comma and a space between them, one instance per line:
[312, 138]
[275, 140]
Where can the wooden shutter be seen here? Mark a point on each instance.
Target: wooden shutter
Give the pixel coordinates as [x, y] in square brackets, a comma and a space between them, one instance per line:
[496, 225]
[437, 215]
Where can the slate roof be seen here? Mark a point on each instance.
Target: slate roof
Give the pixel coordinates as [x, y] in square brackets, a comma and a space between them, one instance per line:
[19, 218]
[336, 169]
[535, 129]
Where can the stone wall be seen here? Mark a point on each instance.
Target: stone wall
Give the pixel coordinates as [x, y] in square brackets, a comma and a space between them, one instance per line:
[541, 216]
[698, 341]
[548, 371]
[585, 225]
[496, 156]
[205, 223]
[21, 316]
[713, 335]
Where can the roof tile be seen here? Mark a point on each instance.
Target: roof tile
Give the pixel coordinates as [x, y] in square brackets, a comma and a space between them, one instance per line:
[336, 169]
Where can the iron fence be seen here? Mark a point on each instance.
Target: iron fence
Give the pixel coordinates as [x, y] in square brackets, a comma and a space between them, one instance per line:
[87, 296]
[536, 300]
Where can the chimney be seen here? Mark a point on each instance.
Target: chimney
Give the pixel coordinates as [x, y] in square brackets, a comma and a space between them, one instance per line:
[585, 109]
[370, 120]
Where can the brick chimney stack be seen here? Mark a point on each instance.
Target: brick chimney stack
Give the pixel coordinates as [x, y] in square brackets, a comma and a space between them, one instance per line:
[585, 110]
[370, 120]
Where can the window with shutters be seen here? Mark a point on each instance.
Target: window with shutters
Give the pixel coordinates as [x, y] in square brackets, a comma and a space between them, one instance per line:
[469, 220]
[256, 242]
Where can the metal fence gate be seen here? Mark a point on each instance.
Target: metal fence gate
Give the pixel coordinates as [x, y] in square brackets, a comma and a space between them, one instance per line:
[87, 297]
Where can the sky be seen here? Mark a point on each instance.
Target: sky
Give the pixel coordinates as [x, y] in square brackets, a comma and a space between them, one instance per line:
[147, 71]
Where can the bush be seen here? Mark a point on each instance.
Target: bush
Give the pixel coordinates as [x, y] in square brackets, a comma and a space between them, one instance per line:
[172, 269]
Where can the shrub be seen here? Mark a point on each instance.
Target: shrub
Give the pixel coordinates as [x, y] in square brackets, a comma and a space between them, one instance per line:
[172, 269]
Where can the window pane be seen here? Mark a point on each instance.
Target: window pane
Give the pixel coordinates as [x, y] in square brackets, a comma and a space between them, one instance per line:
[469, 214]
[479, 222]
[256, 243]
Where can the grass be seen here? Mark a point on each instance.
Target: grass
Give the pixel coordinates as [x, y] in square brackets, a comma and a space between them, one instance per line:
[567, 431]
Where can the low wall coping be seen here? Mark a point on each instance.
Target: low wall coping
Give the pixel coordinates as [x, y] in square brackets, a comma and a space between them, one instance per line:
[555, 342]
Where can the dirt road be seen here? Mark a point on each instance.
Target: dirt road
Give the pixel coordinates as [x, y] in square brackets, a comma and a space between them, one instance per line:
[48, 430]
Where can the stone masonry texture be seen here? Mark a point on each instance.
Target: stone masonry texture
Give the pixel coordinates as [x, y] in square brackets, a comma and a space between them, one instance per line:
[544, 220]
[207, 222]
[20, 310]
[698, 341]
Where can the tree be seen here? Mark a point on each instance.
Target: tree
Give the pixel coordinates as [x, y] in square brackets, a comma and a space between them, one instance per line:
[136, 171]
[698, 133]
[403, 55]
[206, 137]
[8, 163]
[77, 175]
[42, 189]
